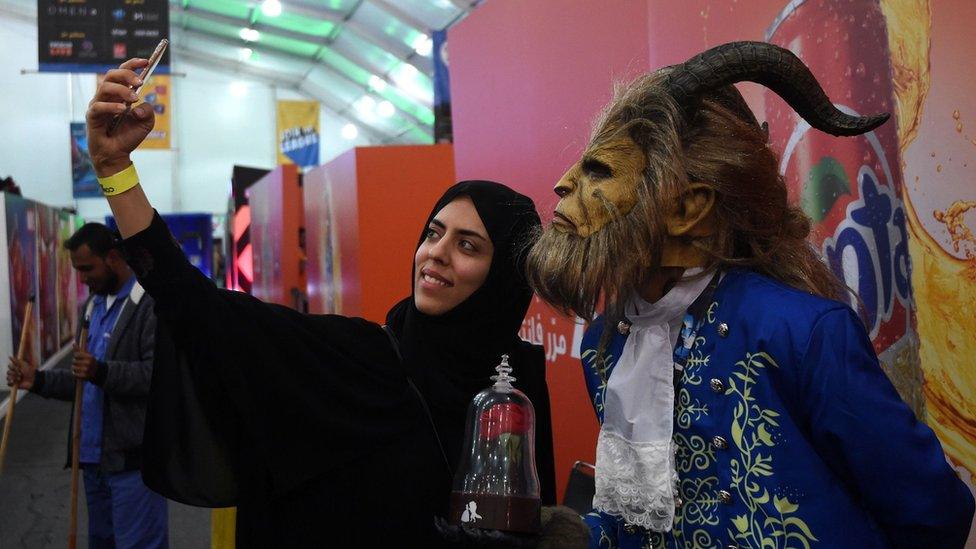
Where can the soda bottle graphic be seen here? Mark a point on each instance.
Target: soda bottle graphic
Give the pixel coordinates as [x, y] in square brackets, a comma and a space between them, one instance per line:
[852, 187]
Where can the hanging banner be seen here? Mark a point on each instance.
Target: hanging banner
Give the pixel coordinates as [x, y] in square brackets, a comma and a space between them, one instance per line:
[298, 133]
[443, 130]
[156, 93]
[98, 35]
[83, 181]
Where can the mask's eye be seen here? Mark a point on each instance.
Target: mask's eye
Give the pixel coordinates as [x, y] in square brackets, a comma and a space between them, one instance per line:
[596, 169]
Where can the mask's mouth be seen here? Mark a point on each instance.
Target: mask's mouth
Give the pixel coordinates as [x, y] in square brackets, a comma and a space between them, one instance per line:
[563, 222]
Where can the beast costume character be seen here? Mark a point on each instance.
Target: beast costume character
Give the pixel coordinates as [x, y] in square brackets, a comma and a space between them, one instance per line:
[740, 399]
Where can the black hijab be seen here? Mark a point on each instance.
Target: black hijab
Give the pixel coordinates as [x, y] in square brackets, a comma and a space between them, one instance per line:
[452, 356]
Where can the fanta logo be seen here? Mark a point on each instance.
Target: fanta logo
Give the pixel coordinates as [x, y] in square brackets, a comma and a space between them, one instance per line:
[869, 250]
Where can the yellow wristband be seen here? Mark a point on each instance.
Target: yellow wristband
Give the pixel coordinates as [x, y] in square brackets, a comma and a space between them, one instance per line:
[120, 182]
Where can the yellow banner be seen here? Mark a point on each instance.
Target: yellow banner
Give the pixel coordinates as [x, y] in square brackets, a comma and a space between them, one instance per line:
[298, 133]
[158, 93]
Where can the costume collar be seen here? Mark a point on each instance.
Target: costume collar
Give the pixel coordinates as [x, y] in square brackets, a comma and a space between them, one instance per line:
[672, 305]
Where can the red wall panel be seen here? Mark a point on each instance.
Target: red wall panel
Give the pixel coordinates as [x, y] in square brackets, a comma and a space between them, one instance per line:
[380, 197]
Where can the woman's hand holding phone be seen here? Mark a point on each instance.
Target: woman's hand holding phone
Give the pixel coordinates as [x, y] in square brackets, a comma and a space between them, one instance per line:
[110, 153]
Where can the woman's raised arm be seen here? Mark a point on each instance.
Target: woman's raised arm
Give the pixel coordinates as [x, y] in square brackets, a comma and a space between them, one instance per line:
[110, 153]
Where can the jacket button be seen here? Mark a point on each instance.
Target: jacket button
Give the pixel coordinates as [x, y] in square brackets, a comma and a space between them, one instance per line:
[678, 503]
[723, 330]
[719, 442]
[716, 385]
[725, 497]
[623, 327]
[631, 529]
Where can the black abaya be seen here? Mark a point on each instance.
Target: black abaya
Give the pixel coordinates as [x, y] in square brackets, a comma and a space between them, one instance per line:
[305, 422]
[452, 356]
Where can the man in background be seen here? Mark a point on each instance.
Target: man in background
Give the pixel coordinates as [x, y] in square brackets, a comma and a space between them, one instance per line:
[116, 369]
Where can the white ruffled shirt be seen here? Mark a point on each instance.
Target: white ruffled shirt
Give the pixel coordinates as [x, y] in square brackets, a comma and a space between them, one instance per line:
[636, 477]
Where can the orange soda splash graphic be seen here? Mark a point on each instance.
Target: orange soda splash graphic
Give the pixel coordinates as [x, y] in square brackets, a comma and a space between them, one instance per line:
[959, 232]
[944, 286]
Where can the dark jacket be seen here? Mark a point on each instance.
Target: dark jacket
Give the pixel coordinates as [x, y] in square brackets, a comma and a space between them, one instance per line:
[124, 375]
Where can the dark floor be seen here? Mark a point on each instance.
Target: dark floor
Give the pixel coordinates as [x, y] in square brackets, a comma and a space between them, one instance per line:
[35, 488]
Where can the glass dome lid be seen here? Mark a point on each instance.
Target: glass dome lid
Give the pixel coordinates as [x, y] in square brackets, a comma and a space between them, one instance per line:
[496, 486]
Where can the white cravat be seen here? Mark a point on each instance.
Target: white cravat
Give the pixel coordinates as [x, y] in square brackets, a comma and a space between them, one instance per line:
[635, 473]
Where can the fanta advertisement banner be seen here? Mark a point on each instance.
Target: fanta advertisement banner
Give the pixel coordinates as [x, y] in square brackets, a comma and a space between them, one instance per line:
[298, 133]
[853, 188]
[894, 210]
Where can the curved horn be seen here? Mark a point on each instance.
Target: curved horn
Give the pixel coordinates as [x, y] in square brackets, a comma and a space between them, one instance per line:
[777, 69]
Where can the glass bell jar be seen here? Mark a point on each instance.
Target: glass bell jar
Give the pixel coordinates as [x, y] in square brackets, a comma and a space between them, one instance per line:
[496, 486]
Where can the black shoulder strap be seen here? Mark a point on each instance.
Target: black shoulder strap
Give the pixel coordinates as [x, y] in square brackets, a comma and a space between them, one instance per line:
[423, 401]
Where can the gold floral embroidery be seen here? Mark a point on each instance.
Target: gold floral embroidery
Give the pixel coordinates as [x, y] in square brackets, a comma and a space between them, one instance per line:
[692, 453]
[654, 540]
[701, 501]
[699, 538]
[687, 410]
[751, 424]
[696, 362]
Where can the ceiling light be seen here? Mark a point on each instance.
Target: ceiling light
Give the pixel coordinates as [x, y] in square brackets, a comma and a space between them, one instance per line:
[407, 70]
[385, 109]
[365, 105]
[350, 131]
[407, 79]
[238, 88]
[271, 8]
[376, 83]
[423, 45]
[244, 54]
[250, 35]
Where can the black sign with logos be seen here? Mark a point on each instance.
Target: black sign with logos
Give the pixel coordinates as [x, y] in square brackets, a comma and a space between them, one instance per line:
[98, 35]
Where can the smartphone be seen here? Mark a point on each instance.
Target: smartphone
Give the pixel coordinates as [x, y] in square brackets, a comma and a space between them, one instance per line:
[144, 76]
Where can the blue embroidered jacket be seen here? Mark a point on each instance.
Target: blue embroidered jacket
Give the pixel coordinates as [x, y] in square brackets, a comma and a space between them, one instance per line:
[788, 434]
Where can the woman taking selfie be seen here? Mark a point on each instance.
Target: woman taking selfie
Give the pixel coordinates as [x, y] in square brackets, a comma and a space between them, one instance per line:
[314, 425]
